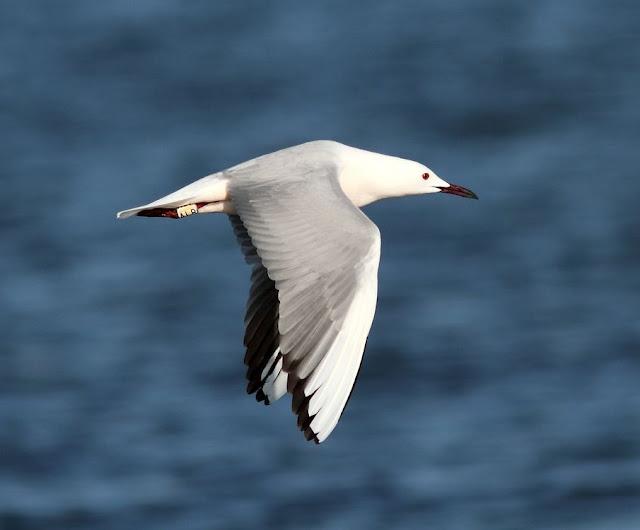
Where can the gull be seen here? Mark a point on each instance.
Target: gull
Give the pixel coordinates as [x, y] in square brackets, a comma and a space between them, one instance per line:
[314, 256]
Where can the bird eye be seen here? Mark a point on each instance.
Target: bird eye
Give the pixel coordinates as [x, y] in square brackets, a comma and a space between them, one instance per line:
[425, 176]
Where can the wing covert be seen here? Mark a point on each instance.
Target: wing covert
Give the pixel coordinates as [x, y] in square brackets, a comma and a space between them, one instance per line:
[314, 287]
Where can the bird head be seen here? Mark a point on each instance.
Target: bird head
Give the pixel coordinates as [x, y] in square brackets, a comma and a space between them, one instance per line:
[432, 183]
[368, 177]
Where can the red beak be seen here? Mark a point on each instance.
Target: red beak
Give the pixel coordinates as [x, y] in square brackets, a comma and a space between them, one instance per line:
[454, 189]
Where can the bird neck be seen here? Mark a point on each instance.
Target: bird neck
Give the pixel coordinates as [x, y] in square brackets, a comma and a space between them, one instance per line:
[366, 177]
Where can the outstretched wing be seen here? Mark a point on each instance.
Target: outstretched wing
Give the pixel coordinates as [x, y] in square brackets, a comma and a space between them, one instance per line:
[314, 287]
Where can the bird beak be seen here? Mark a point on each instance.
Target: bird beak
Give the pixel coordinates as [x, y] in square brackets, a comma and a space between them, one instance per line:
[454, 189]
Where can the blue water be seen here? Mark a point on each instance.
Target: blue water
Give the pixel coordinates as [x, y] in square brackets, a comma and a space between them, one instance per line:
[501, 385]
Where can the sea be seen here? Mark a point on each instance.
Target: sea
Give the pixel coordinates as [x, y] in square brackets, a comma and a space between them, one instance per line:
[500, 389]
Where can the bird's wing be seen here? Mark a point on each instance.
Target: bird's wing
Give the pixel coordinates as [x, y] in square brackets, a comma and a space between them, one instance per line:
[314, 288]
[261, 339]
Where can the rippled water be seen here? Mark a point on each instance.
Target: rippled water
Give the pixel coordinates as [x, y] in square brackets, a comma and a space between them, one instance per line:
[500, 385]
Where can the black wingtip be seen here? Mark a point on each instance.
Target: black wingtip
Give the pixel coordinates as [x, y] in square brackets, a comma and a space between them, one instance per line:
[310, 435]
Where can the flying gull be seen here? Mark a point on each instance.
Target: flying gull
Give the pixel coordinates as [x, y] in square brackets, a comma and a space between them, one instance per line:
[314, 256]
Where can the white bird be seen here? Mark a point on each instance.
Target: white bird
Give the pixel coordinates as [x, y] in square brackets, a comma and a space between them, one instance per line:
[314, 257]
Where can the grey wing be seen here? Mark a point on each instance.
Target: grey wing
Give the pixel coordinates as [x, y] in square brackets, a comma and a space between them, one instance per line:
[314, 288]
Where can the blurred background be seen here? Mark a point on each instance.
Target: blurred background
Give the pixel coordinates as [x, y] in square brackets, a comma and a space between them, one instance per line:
[500, 388]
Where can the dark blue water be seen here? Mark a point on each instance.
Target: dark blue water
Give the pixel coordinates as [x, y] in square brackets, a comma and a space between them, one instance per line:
[501, 386]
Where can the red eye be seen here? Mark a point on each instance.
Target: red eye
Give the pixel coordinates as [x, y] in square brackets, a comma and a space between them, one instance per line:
[425, 176]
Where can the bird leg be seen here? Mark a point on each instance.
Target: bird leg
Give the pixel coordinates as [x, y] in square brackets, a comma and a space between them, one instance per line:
[173, 213]
[186, 210]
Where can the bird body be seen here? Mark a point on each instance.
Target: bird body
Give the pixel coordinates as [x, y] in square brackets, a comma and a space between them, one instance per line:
[314, 256]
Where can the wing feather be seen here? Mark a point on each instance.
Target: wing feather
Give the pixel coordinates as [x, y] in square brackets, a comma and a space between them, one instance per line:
[314, 286]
